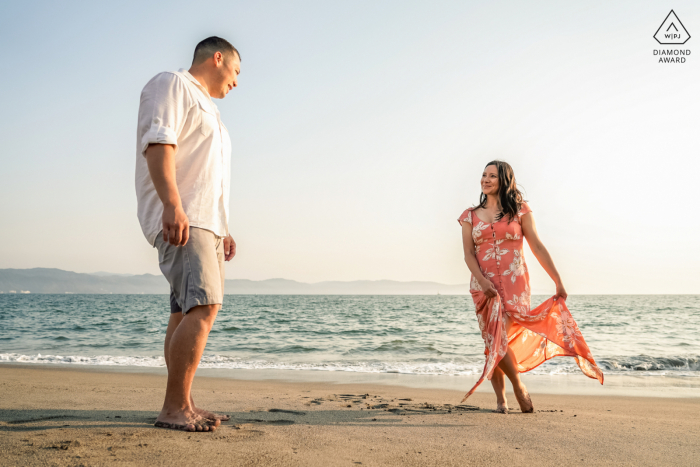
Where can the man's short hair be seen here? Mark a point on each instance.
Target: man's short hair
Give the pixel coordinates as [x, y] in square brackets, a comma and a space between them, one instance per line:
[210, 46]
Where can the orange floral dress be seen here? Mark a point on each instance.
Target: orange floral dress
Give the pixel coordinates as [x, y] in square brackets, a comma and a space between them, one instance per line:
[536, 334]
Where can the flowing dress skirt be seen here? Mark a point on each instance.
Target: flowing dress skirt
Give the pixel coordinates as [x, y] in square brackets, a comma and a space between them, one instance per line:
[542, 333]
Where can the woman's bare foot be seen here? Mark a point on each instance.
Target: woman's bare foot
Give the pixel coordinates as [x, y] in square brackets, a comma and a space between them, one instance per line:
[186, 420]
[524, 400]
[502, 408]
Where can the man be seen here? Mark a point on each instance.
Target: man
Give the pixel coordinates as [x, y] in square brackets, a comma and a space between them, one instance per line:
[182, 187]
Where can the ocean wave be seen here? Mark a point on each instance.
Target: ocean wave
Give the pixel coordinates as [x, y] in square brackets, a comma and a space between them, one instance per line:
[646, 363]
[233, 363]
[640, 365]
[114, 360]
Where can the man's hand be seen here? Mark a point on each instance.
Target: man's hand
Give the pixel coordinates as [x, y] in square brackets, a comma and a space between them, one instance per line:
[176, 226]
[229, 248]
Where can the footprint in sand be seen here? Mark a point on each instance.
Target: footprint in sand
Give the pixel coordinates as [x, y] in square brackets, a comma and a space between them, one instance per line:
[314, 402]
[267, 422]
[242, 431]
[293, 412]
[402, 406]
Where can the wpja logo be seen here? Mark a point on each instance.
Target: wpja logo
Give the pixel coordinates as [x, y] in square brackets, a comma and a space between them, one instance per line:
[672, 32]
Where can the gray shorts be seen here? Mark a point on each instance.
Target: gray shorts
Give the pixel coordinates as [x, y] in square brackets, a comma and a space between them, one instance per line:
[195, 271]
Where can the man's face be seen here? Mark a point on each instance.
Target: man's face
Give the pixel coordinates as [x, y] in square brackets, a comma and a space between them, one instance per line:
[228, 69]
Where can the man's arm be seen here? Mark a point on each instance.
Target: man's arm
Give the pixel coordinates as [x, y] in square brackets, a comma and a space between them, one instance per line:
[161, 166]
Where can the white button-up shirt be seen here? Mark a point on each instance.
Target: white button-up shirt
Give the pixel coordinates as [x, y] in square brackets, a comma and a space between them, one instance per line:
[176, 109]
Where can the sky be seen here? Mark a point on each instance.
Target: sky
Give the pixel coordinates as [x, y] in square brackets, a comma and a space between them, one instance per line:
[360, 131]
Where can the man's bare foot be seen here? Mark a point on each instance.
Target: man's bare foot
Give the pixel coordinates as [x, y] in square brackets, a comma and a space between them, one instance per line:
[186, 420]
[207, 414]
[189, 427]
[524, 400]
[211, 415]
[502, 408]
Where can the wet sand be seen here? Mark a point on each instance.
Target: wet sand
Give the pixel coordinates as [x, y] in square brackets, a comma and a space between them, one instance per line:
[63, 416]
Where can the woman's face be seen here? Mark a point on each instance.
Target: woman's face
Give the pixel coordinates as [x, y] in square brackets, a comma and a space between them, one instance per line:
[489, 180]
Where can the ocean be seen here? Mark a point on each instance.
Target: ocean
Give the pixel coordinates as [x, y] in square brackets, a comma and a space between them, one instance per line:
[641, 335]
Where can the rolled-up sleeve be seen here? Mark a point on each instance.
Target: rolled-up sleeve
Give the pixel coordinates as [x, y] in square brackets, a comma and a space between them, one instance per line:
[165, 102]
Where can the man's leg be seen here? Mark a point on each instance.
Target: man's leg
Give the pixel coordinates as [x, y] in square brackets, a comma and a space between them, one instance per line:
[175, 320]
[185, 344]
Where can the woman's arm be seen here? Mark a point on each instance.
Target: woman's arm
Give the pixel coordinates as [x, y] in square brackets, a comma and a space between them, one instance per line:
[538, 249]
[472, 263]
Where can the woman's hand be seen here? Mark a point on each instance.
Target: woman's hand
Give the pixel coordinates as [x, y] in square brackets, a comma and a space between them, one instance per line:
[488, 288]
[561, 292]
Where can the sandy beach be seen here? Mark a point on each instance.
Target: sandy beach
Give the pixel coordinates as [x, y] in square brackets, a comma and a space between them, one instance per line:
[64, 416]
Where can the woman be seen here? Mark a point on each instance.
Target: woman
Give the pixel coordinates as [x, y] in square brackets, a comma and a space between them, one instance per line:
[517, 337]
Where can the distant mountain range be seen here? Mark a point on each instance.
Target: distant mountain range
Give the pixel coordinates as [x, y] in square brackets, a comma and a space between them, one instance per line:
[51, 281]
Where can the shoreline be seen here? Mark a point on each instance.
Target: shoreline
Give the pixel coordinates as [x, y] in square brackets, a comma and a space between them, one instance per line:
[68, 416]
[571, 384]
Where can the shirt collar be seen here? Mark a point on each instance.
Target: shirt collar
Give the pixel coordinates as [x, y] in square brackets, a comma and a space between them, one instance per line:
[194, 80]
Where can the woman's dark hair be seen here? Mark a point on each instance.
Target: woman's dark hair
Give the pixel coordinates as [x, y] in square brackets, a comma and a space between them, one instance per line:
[510, 197]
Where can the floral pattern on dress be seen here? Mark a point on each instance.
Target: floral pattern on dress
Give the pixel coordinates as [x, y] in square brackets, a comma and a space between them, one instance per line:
[495, 252]
[567, 328]
[536, 334]
[517, 267]
[476, 232]
[521, 303]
